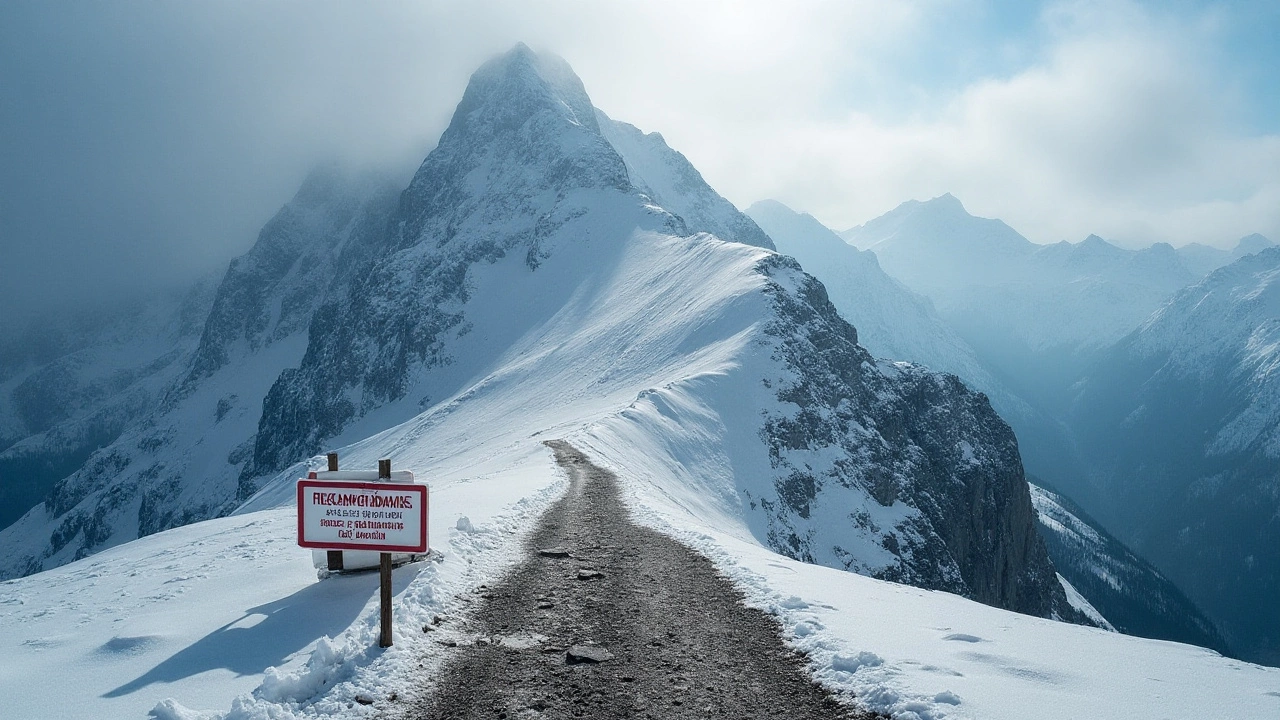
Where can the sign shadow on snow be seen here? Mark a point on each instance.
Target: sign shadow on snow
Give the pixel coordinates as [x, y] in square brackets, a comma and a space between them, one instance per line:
[287, 625]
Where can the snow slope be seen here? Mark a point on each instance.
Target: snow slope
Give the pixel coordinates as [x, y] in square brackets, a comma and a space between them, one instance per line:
[672, 182]
[226, 618]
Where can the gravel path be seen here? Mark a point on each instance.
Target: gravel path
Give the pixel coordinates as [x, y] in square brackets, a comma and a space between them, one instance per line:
[606, 619]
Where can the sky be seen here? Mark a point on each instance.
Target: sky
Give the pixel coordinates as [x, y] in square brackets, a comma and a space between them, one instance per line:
[143, 144]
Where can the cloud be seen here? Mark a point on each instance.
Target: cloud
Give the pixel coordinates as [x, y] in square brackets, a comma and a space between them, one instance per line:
[1123, 128]
[142, 143]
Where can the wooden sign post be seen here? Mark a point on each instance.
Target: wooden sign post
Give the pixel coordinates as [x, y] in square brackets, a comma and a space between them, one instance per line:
[334, 556]
[350, 511]
[384, 571]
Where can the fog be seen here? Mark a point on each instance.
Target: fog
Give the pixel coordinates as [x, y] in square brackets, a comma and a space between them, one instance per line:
[143, 144]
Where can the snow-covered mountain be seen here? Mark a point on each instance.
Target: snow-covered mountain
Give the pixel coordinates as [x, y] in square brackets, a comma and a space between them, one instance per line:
[840, 460]
[177, 457]
[1008, 295]
[1182, 421]
[70, 385]
[529, 262]
[1130, 593]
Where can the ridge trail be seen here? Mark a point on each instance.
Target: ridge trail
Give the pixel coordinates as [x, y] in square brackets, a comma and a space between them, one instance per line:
[675, 637]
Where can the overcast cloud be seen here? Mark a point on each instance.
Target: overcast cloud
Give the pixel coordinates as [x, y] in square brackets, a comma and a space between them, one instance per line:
[144, 143]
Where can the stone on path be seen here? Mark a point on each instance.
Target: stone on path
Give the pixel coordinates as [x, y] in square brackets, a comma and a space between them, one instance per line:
[587, 654]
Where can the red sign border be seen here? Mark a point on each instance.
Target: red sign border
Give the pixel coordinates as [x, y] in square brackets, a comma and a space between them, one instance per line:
[304, 483]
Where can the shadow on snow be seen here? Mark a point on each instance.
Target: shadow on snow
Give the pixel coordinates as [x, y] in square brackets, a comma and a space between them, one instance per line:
[287, 625]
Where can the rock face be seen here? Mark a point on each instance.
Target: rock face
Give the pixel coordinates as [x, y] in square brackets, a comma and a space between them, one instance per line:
[1182, 419]
[1126, 589]
[270, 293]
[534, 263]
[918, 443]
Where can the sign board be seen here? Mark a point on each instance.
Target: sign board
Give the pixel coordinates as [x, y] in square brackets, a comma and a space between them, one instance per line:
[383, 517]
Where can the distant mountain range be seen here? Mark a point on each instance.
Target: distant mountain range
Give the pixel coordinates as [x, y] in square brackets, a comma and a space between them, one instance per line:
[1013, 299]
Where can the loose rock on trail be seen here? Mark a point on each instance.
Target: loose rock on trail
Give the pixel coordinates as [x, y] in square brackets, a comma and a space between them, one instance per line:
[607, 619]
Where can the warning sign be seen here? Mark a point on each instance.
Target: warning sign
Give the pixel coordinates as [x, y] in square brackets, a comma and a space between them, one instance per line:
[378, 516]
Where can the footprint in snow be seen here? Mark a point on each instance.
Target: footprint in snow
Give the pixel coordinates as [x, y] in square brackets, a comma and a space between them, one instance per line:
[124, 645]
[962, 637]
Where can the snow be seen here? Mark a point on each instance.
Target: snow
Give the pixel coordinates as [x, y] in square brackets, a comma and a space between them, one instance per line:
[1081, 603]
[648, 366]
[194, 617]
[644, 349]
[225, 618]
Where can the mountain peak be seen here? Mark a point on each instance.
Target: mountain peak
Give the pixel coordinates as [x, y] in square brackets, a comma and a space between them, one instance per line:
[1250, 244]
[1097, 247]
[524, 124]
[768, 205]
[946, 202]
[519, 81]
[945, 207]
